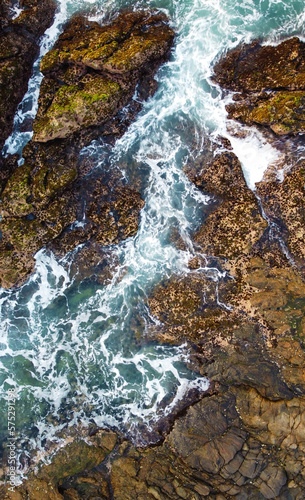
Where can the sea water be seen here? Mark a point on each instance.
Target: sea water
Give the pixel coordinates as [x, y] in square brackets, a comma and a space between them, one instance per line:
[76, 351]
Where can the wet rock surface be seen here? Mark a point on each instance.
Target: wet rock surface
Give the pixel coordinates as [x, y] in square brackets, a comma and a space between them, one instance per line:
[92, 71]
[90, 76]
[245, 439]
[241, 308]
[18, 48]
[270, 82]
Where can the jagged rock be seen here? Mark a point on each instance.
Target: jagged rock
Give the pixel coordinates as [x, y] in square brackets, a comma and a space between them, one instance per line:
[246, 440]
[258, 344]
[228, 444]
[18, 48]
[271, 81]
[284, 204]
[252, 67]
[282, 111]
[92, 71]
[80, 99]
[236, 225]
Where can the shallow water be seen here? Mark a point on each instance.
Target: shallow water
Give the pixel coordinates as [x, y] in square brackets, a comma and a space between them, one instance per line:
[76, 351]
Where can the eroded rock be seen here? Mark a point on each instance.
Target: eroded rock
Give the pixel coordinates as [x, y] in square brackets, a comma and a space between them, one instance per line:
[271, 83]
[18, 48]
[228, 444]
[90, 75]
[92, 71]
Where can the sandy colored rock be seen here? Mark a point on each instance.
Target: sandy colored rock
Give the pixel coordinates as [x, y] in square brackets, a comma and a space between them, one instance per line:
[284, 202]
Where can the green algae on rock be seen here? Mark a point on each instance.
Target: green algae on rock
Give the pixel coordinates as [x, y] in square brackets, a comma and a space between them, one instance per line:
[80, 100]
[271, 83]
[18, 49]
[74, 107]
[92, 71]
[282, 111]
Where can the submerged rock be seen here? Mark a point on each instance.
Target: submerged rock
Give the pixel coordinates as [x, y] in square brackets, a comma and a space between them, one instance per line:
[270, 82]
[90, 75]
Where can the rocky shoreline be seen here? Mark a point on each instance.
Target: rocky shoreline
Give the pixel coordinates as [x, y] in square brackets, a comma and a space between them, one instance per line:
[246, 438]
[90, 77]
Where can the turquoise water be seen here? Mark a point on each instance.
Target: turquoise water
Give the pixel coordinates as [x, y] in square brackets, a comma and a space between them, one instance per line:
[77, 351]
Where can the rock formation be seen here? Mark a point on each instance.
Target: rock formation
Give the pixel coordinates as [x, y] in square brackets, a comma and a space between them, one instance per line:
[270, 85]
[246, 439]
[90, 75]
[19, 47]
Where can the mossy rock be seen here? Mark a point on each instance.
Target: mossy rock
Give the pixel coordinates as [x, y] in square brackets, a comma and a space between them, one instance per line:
[138, 50]
[93, 70]
[15, 266]
[74, 107]
[14, 199]
[83, 42]
[73, 459]
[18, 50]
[120, 43]
[283, 112]
[80, 101]
[48, 183]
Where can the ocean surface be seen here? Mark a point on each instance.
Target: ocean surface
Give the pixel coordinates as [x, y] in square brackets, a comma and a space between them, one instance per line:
[76, 351]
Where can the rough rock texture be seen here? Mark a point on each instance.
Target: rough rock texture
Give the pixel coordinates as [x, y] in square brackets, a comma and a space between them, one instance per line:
[81, 98]
[246, 439]
[270, 82]
[238, 220]
[92, 71]
[236, 444]
[248, 329]
[284, 203]
[18, 49]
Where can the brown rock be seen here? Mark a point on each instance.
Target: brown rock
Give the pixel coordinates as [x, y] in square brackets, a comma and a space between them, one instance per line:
[18, 50]
[79, 101]
[284, 203]
[73, 96]
[253, 67]
[273, 480]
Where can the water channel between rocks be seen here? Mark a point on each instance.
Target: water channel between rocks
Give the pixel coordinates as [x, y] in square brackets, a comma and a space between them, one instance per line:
[77, 350]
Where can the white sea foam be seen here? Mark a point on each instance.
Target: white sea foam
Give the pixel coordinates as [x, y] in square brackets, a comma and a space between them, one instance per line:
[255, 155]
[75, 347]
[16, 11]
